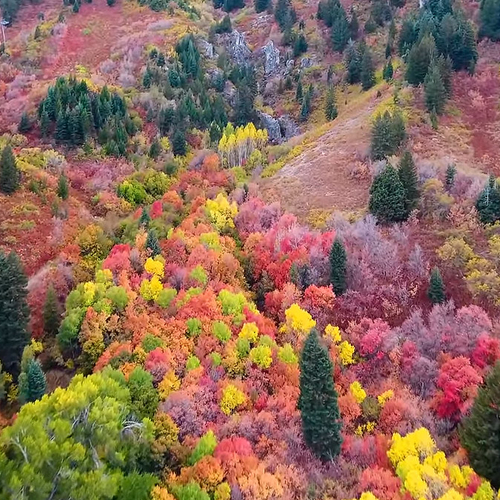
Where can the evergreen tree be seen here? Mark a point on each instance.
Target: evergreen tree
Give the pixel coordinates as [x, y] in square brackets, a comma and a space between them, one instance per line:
[179, 145]
[445, 66]
[353, 25]
[51, 313]
[9, 173]
[408, 177]
[435, 292]
[338, 263]
[32, 383]
[24, 124]
[331, 104]
[244, 108]
[147, 79]
[490, 19]
[144, 219]
[479, 430]
[353, 62]
[388, 133]
[261, 5]
[305, 109]
[387, 197]
[300, 45]
[435, 93]
[419, 59]
[488, 202]
[76, 7]
[299, 93]
[63, 187]
[155, 149]
[14, 312]
[153, 244]
[340, 32]
[451, 172]
[367, 70]
[388, 71]
[321, 423]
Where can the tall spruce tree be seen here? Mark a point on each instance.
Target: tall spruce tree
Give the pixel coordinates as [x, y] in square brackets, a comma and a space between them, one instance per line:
[340, 33]
[490, 19]
[145, 218]
[479, 432]
[24, 124]
[338, 267]
[14, 312]
[434, 89]
[387, 197]
[51, 313]
[63, 187]
[409, 180]
[435, 291]
[488, 202]
[9, 173]
[179, 145]
[388, 71]
[32, 383]
[152, 243]
[331, 104]
[321, 423]
[451, 172]
[419, 59]
[367, 70]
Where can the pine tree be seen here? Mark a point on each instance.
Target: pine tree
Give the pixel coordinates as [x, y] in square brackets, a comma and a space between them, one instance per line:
[14, 312]
[488, 202]
[331, 104]
[155, 149]
[338, 263]
[321, 423]
[9, 173]
[261, 5]
[435, 93]
[490, 19]
[63, 187]
[305, 109]
[353, 59]
[451, 172]
[435, 292]
[299, 93]
[340, 32]
[388, 133]
[479, 430]
[388, 71]
[367, 70]
[76, 7]
[153, 244]
[32, 383]
[408, 177]
[445, 66]
[419, 59]
[300, 45]
[144, 219]
[24, 124]
[353, 25]
[179, 146]
[387, 197]
[51, 313]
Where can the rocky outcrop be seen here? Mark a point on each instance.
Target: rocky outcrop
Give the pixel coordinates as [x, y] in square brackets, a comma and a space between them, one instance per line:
[207, 48]
[271, 58]
[271, 125]
[288, 127]
[237, 48]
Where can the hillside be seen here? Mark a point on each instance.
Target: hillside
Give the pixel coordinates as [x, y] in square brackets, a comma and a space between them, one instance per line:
[249, 250]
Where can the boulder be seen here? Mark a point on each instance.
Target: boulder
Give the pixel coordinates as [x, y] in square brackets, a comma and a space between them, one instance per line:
[271, 58]
[238, 49]
[271, 125]
[207, 48]
[288, 127]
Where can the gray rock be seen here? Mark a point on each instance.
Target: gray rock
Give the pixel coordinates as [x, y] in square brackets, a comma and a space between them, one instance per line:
[288, 127]
[272, 58]
[289, 66]
[238, 49]
[306, 62]
[207, 48]
[271, 125]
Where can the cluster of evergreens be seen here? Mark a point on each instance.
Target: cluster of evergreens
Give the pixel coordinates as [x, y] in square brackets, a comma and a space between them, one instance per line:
[9, 173]
[229, 5]
[360, 66]
[488, 202]
[490, 19]
[78, 113]
[10, 8]
[334, 15]
[388, 134]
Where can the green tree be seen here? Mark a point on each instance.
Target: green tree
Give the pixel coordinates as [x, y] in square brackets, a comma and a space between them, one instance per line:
[153, 244]
[300, 45]
[25, 124]
[32, 383]
[445, 65]
[451, 172]
[9, 173]
[179, 145]
[76, 7]
[353, 25]
[44, 123]
[387, 197]
[144, 397]
[435, 292]
[77, 442]
[321, 423]
[305, 109]
[338, 267]
[488, 202]
[51, 313]
[388, 133]
[388, 71]
[419, 59]
[409, 180]
[63, 187]
[331, 104]
[299, 93]
[353, 59]
[340, 32]
[144, 219]
[14, 312]
[261, 5]
[435, 92]
[367, 74]
[155, 149]
[479, 430]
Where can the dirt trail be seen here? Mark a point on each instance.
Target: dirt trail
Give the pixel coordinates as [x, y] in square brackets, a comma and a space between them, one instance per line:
[320, 177]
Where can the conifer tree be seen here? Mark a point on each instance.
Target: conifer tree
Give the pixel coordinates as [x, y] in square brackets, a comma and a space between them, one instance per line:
[32, 383]
[299, 93]
[331, 104]
[435, 292]
[63, 187]
[479, 430]
[340, 31]
[490, 19]
[144, 219]
[488, 202]
[9, 173]
[155, 149]
[305, 109]
[445, 65]
[419, 59]
[51, 313]
[367, 70]
[338, 263]
[388, 71]
[388, 133]
[435, 92]
[321, 423]
[408, 177]
[24, 124]
[353, 25]
[153, 244]
[261, 5]
[387, 197]
[179, 145]
[76, 7]
[14, 312]
[451, 172]
[353, 62]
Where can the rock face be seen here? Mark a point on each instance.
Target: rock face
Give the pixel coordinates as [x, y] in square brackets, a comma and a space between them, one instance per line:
[238, 49]
[207, 48]
[306, 62]
[272, 58]
[288, 127]
[271, 125]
